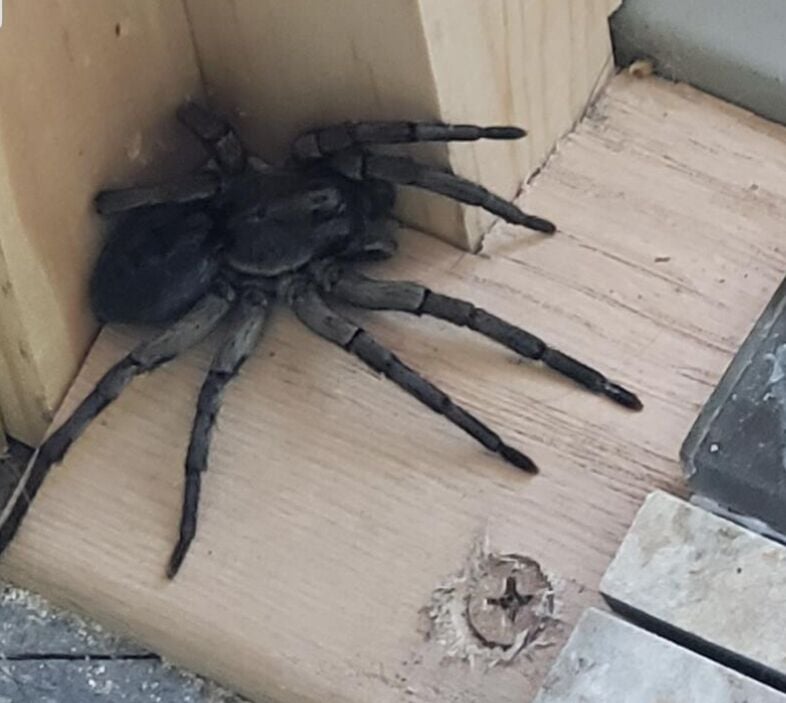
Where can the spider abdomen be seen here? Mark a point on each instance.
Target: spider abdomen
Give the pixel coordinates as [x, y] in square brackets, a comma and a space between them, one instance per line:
[157, 262]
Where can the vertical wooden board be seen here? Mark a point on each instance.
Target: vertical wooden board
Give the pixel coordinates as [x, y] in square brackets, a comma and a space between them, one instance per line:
[283, 67]
[337, 512]
[535, 64]
[88, 93]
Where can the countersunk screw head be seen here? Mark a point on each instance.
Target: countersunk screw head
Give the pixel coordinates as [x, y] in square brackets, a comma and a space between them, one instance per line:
[512, 597]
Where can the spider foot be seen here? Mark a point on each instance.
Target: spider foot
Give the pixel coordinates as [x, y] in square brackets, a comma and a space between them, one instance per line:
[176, 560]
[622, 396]
[518, 459]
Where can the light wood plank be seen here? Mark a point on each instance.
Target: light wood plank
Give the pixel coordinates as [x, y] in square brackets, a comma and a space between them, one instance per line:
[88, 92]
[335, 505]
[284, 67]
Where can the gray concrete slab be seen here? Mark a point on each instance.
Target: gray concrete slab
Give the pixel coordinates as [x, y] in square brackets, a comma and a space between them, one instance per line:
[49, 656]
[111, 681]
[607, 660]
[704, 582]
[29, 628]
[735, 454]
[735, 50]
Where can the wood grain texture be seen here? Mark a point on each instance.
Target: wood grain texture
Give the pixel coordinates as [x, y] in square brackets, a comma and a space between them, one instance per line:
[88, 94]
[335, 505]
[285, 67]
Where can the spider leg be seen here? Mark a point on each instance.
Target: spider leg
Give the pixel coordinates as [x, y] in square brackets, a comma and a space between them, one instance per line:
[185, 333]
[360, 165]
[312, 310]
[403, 296]
[216, 134]
[189, 189]
[319, 143]
[239, 344]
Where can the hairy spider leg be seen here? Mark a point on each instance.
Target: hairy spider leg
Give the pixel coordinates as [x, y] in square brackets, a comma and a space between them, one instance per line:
[200, 186]
[314, 312]
[221, 141]
[405, 296]
[220, 138]
[183, 334]
[318, 143]
[239, 343]
[359, 165]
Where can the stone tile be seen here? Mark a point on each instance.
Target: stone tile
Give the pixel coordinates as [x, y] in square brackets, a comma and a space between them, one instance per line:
[49, 656]
[735, 454]
[608, 660]
[705, 582]
[111, 681]
[29, 627]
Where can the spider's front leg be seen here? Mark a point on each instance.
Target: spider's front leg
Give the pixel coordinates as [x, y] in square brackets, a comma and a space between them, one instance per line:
[405, 171]
[404, 296]
[216, 134]
[222, 142]
[183, 334]
[342, 146]
[199, 186]
[238, 345]
[319, 143]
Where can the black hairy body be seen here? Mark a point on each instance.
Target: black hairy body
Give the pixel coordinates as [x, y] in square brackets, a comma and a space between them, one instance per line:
[240, 235]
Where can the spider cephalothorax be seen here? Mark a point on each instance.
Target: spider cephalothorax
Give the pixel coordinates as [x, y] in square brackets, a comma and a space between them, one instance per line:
[240, 234]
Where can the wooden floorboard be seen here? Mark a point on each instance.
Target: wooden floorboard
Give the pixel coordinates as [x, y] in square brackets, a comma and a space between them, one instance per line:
[335, 505]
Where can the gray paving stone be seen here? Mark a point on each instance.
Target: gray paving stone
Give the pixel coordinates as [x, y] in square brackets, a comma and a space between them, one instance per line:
[49, 656]
[112, 681]
[30, 628]
[607, 660]
[735, 454]
[704, 582]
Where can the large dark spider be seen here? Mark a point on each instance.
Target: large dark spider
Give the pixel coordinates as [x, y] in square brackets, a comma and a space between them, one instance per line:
[240, 234]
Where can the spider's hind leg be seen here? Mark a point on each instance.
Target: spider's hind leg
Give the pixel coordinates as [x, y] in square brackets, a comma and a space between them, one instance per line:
[401, 170]
[312, 310]
[365, 292]
[183, 334]
[236, 348]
